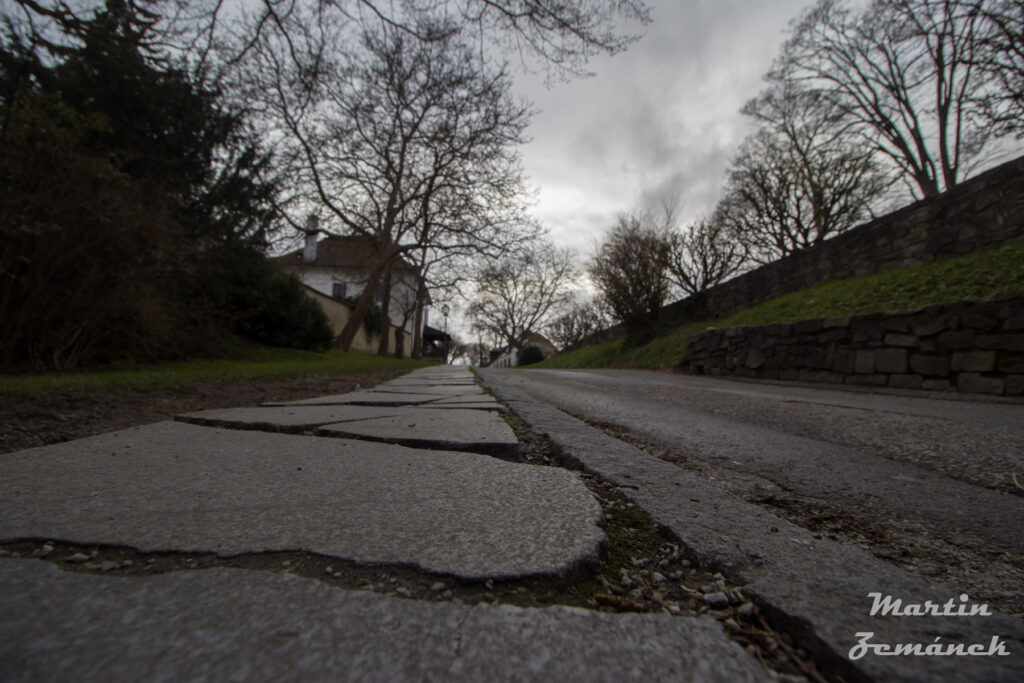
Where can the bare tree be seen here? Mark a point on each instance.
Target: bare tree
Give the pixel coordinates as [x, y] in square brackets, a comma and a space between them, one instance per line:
[580, 320]
[558, 37]
[904, 74]
[702, 255]
[385, 136]
[1003, 60]
[518, 294]
[798, 179]
[630, 271]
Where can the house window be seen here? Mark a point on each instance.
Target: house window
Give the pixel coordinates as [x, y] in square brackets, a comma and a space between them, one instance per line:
[339, 290]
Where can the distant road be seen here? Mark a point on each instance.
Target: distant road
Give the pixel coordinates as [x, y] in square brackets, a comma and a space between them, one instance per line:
[922, 481]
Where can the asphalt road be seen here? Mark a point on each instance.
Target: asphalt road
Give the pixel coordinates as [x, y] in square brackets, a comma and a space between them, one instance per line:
[922, 482]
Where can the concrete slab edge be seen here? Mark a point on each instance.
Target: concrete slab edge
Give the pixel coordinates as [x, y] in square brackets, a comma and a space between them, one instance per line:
[725, 533]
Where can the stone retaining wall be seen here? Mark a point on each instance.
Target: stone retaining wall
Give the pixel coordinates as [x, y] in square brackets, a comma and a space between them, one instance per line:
[982, 213]
[973, 347]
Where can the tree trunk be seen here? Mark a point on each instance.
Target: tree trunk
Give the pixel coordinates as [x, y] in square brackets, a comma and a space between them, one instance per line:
[363, 303]
[385, 315]
[417, 331]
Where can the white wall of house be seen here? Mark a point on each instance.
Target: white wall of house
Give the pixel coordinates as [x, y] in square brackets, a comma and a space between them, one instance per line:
[323, 279]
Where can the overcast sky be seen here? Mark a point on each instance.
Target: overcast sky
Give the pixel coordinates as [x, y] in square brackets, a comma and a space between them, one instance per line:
[659, 120]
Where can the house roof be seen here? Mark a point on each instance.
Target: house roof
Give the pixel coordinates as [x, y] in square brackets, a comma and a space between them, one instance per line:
[347, 251]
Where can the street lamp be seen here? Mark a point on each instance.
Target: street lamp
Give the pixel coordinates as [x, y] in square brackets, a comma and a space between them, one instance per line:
[445, 310]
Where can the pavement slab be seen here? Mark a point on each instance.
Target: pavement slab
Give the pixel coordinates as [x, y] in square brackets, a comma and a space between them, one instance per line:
[363, 398]
[172, 486]
[284, 418]
[243, 625]
[431, 388]
[459, 381]
[477, 431]
[482, 403]
[818, 587]
[455, 400]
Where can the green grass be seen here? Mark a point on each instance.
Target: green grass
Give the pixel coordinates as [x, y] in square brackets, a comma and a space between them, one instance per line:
[249, 363]
[976, 276]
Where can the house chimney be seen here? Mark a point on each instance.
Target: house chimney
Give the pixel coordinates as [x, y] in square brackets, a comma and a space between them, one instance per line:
[311, 230]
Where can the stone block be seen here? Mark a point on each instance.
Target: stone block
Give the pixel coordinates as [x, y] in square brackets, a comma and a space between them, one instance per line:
[907, 340]
[936, 385]
[1004, 342]
[1015, 385]
[974, 361]
[843, 361]
[907, 381]
[865, 361]
[832, 335]
[875, 380]
[790, 375]
[891, 360]
[973, 383]
[896, 324]
[778, 329]
[814, 358]
[867, 329]
[926, 327]
[1010, 362]
[933, 366]
[829, 377]
[952, 340]
[755, 359]
[1014, 323]
[979, 322]
[808, 326]
[839, 321]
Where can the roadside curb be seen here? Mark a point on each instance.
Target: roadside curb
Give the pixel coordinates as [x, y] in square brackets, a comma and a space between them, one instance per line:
[813, 588]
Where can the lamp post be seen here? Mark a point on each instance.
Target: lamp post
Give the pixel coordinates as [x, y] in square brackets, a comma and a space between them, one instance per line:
[445, 310]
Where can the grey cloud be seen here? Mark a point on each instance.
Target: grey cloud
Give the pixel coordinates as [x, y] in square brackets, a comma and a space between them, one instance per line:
[661, 119]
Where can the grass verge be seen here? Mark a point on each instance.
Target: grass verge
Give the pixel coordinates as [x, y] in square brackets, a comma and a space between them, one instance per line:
[972, 277]
[250, 363]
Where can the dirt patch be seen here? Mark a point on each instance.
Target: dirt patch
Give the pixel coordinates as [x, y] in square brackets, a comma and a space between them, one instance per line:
[990, 577]
[29, 421]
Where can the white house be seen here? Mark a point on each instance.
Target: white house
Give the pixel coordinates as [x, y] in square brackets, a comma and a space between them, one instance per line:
[338, 267]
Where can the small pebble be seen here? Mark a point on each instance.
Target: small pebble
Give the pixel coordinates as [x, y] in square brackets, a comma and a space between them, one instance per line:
[439, 586]
[447, 595]
[127, 563]
[404, 592]
[78, 558]
[746, 609]
[658, 577]
[716, 600]
[328, 570]
[109, 565]
[45, 550]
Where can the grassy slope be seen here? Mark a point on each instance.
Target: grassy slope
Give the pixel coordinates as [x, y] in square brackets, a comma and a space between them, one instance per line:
[976, 276]
[252, 362]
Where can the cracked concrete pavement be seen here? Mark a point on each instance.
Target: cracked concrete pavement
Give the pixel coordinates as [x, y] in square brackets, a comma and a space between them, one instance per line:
[267, 479]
